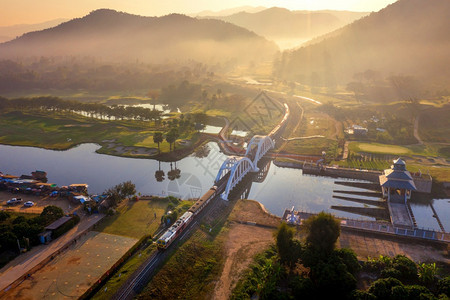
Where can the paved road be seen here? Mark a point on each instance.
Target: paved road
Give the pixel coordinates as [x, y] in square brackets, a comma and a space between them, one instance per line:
[22, 264]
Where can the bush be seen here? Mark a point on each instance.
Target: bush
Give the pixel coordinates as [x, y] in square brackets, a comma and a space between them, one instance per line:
[391, 272]
[350, 260]
[406, 267]
[362, 295]
[382, 288]
[4, 215]
[50, 214]
[419, 292]
[19, 219]
[444, 286]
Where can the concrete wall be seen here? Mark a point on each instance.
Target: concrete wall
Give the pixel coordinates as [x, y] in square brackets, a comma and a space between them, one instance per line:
[342, 172]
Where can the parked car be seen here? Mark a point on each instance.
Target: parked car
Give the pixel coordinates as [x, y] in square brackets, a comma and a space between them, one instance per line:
[14, 201]
[28, 204]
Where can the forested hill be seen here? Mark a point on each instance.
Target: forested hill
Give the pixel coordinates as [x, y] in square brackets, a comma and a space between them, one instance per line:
[409, 37]
[276, 22]
[119, 36]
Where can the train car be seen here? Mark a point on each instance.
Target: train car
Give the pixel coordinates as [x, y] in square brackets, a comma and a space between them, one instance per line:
[203, 201]
[282, 123]
[170, 235]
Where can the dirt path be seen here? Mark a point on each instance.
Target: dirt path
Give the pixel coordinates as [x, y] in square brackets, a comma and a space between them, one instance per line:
[416, 130]
[243, 243]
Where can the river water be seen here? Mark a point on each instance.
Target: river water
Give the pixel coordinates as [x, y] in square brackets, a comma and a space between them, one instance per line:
[281, 189]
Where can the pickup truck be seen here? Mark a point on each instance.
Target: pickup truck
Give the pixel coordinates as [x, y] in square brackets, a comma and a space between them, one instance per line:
[14, 201]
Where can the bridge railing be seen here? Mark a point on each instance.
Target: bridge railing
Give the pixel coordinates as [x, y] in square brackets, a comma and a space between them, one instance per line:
[389, 228]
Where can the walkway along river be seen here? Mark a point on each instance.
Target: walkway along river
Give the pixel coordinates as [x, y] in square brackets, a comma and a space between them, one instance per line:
[281, 189]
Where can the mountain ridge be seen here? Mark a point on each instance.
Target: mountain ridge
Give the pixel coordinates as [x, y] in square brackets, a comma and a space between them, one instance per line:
[407, 37]
[113, 34]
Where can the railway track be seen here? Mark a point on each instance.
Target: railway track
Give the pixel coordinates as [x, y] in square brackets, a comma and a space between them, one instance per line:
[137, 281]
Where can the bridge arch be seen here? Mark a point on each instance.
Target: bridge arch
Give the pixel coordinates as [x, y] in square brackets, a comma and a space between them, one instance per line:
[258, 146]
[235, 168]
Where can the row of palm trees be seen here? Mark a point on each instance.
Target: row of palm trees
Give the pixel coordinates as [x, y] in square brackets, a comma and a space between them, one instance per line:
[118, 112]
[170, 137]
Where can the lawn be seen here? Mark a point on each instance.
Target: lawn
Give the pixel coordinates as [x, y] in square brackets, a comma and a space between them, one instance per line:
[434, 150]
[368, 165]
[58, 131]
[135, 219]
[313, 146]
[434, 125]
[378, 148]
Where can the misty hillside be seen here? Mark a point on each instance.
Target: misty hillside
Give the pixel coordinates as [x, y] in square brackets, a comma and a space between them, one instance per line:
[280, 23]
[8, 33]
[226, 12]
[118, 36]
[409, 37]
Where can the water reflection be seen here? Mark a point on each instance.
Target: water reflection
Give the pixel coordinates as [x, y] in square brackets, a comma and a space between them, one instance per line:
[159, 174]
[275, 187]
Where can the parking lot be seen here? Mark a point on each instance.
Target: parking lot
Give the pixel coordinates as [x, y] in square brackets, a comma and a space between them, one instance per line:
[39, 203]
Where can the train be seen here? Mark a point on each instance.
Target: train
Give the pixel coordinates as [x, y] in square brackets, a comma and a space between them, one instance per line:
[178, 227]
[282, 123]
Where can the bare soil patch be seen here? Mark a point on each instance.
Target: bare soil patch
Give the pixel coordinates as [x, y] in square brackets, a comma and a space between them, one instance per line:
[243, 242]
[253, 211]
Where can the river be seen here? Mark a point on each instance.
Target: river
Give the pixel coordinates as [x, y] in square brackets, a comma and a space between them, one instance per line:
[281, 189]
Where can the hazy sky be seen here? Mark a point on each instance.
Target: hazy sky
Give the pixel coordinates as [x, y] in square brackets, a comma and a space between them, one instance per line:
[35, 11]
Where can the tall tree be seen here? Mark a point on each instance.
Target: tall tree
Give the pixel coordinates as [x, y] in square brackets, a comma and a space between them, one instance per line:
[158, 138]
[323, 231]
[171, 137]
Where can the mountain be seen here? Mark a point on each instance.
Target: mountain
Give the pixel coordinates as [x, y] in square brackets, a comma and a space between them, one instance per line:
[409, 37]
[10, 32]
[226, 12]
[112, 35]
[281, 24]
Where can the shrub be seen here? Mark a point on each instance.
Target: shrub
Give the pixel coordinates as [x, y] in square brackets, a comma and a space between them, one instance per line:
[382, 287]
[444, 286]
[406, 267]
[4, 215]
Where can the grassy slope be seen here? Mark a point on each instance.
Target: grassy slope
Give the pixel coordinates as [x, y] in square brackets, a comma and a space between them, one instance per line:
[62, 131]
[135, 219]
[201, 259]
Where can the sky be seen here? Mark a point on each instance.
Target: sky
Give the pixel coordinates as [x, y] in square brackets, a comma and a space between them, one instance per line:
[14, 12]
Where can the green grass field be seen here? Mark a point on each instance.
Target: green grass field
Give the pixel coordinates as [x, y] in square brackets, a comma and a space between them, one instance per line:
[135, 219]
[200, 260]
[378, 148]
[313, 146]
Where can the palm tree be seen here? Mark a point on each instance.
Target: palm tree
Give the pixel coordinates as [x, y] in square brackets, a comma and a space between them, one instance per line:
[159, 174]
[171, 137]
[158, 138]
